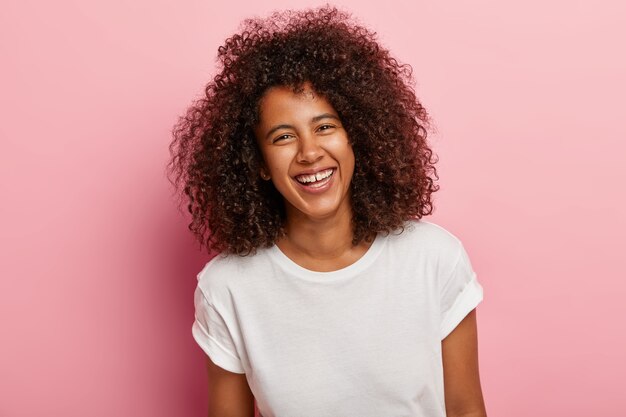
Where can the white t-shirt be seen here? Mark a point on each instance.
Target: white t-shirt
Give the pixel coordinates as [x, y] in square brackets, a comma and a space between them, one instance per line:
[361, 341]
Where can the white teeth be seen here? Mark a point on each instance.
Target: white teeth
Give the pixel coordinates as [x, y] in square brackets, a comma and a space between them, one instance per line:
[314, 177]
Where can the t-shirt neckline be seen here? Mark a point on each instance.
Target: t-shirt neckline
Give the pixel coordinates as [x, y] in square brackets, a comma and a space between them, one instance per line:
[351, 270]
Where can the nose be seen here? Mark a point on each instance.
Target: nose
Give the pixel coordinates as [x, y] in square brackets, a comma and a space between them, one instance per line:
[309, 150]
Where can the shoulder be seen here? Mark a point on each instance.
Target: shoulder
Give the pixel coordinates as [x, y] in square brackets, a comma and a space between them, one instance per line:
[226, 271]
[421, 235]
[423, 244]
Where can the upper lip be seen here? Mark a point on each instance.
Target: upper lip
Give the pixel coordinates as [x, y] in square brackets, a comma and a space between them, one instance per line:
[313, 171]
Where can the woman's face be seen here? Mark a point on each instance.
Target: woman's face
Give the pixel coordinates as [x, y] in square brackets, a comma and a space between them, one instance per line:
[306, 153]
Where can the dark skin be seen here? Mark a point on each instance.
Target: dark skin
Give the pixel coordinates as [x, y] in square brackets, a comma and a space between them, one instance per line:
[463, 394]
[230, 395]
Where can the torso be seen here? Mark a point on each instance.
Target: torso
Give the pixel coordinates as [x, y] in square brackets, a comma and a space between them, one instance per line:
[364, 340]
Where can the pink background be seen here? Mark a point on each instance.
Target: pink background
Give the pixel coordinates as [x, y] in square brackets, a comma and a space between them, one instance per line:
[98, 269]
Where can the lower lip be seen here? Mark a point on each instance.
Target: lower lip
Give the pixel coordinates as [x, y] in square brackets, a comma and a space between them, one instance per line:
[320, 186]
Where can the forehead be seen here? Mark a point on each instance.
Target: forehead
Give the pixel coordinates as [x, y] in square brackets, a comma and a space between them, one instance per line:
[282, 102]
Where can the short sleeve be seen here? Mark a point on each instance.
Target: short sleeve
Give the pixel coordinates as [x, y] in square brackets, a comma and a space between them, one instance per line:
[460, 293]
[212, 335]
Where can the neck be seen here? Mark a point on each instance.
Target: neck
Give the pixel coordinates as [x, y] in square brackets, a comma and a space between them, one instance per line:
[322, 239]
[321, 244]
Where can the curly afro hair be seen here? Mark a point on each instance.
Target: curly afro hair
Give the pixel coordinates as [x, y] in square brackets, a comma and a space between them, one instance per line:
[215, 156]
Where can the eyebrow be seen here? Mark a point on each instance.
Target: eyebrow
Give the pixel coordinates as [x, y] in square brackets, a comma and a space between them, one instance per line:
[313, 120]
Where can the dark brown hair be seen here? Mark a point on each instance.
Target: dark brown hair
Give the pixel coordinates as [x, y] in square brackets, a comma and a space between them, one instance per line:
[215, 158]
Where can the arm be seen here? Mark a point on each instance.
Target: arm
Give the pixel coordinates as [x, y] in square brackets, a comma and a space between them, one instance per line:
[229, 393]
[463, 395]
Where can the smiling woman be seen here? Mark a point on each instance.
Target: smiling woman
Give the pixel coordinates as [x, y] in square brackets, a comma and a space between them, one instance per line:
[306, 153]
[308, 157]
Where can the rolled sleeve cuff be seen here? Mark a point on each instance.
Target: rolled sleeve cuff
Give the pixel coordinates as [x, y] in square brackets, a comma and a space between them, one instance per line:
[218, 354]
[469, 298]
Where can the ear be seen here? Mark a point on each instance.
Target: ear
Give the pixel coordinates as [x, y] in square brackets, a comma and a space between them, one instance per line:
[263, 173]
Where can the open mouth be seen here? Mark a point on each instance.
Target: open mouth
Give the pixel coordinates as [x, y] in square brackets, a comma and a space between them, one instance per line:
[316, 180]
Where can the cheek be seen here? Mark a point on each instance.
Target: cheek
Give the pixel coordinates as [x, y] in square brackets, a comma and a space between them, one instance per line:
[277, 161]
[347, 157]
